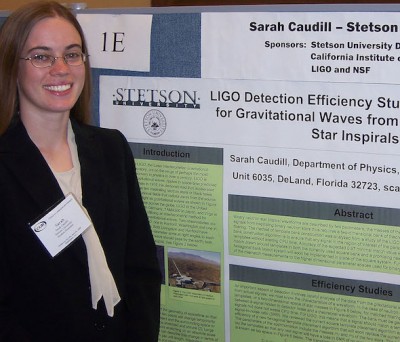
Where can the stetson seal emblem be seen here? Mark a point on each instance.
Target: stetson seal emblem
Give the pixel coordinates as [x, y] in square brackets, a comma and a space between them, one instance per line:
[154, 123]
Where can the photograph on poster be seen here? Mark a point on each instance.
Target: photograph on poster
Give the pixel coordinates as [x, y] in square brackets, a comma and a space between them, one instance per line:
[196, 270]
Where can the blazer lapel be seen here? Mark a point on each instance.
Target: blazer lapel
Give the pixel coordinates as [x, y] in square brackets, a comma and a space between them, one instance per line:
[92, 173]
[25, 162]
[20, 155]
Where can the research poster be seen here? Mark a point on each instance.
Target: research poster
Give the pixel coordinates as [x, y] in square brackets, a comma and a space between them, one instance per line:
[267, 149]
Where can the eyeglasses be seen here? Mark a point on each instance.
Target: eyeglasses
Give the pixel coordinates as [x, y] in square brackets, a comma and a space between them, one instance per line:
[46, 61]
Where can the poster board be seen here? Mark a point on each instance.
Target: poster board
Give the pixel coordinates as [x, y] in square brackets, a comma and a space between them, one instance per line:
[266, 154]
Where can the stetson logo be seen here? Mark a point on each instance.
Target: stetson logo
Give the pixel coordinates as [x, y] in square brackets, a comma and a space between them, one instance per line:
[154, 123]
[160, 98]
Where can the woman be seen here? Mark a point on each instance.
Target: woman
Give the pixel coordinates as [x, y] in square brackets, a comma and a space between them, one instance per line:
[105, 285]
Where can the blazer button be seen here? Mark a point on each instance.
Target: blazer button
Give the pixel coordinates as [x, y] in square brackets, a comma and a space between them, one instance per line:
[99, 326]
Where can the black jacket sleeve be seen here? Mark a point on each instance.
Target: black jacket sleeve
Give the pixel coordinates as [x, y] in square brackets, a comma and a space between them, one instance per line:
[143, 276]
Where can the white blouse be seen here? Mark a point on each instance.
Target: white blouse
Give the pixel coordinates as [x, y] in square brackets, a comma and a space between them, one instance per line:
[101, 280]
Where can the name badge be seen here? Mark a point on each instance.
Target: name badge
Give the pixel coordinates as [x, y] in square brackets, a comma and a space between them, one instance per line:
[61, 225]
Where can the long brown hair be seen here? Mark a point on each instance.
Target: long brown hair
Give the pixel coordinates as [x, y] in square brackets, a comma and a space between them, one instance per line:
[13, 36]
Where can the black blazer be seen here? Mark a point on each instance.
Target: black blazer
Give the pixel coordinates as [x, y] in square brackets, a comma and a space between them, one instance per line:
[48, 299]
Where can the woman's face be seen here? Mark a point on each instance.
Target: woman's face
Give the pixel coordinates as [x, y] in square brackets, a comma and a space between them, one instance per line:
[53, 89]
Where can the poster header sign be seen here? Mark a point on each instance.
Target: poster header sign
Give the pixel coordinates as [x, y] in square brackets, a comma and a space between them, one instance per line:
[330, 46]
